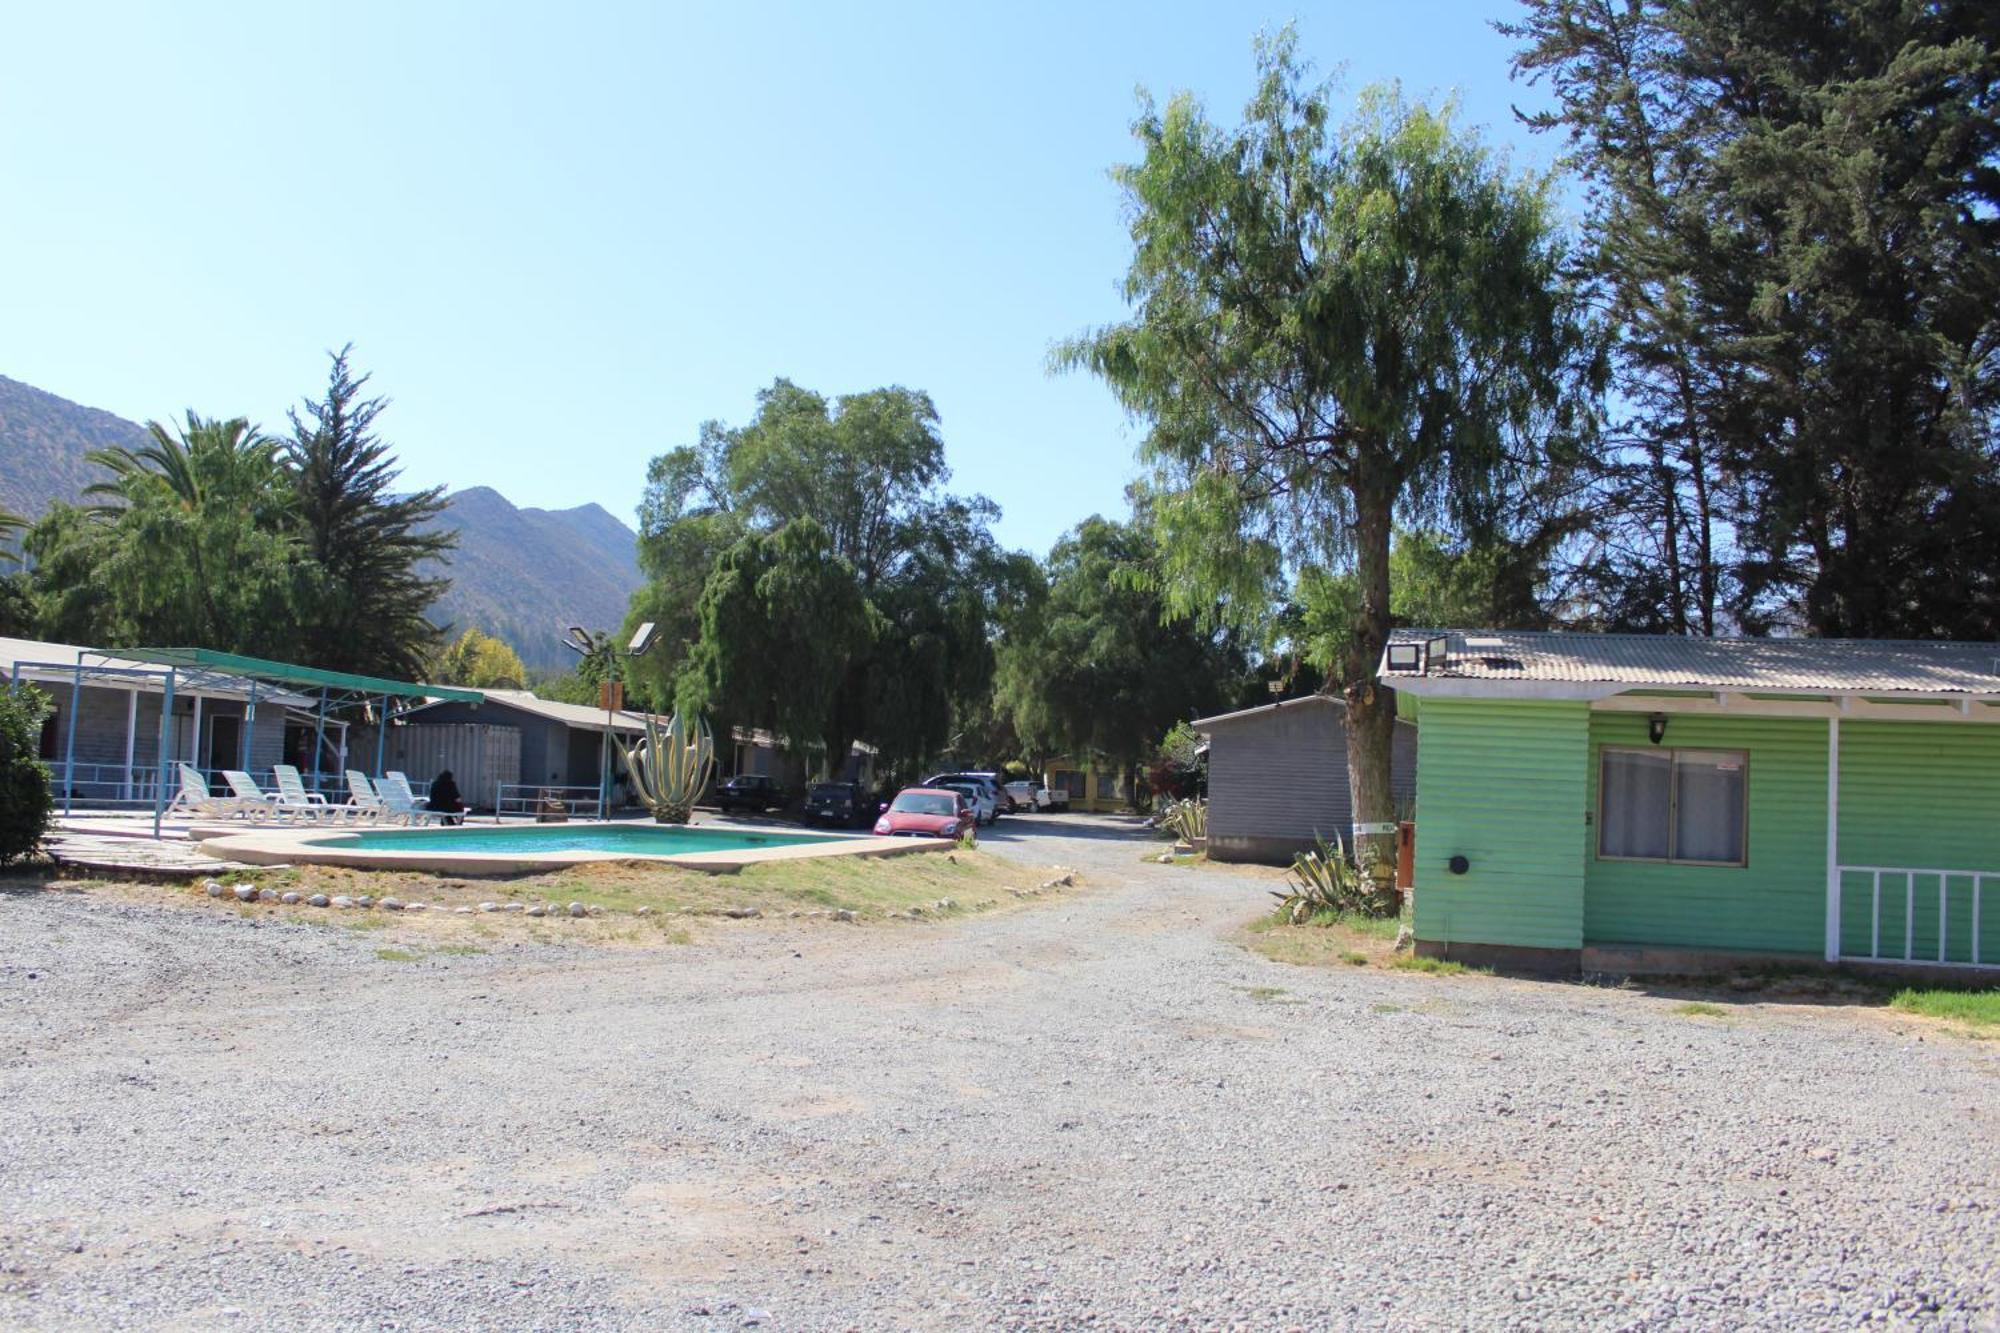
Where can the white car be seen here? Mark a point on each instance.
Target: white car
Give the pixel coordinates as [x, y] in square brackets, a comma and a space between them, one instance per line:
[977, 795]
[1027, 796]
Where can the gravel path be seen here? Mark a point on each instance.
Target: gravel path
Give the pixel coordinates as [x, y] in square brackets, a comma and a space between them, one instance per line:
[1098, 1111]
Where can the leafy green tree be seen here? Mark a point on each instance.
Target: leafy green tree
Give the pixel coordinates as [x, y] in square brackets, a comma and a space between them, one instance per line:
[782, 617]
[1334, 331]
[1795, 212]
[25, 799]
[1099, 667]
[480, 661]
[371, 544]
[17, 606]
[866, 471]
[192, 541]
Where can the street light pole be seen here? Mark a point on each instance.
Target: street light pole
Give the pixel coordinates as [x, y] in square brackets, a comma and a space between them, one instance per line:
[584, 643]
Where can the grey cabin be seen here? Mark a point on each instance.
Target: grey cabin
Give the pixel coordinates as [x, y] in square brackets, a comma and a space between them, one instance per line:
[1277, 777]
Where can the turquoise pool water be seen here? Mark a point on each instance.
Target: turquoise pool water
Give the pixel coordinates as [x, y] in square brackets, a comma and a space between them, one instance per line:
[527, 839]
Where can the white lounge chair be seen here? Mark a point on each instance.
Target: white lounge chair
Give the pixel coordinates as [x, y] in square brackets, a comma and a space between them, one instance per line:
[362, 800]
[401, 802]
[195, 798]
[254, 802]
[294, 799]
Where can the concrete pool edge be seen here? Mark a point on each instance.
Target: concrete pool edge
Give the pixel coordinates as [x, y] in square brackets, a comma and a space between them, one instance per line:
[305, 845]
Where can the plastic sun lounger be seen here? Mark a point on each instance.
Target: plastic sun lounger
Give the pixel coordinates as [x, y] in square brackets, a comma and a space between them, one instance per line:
[394, 789]
[362, 800]
[196, 799]
[293, 798]
[258, 804]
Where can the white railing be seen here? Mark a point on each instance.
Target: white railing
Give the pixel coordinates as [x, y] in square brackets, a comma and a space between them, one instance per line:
[525, 798]
[1924, 921]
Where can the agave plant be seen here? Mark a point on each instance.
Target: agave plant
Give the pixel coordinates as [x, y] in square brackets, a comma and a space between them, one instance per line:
[1187, 818]
[1324, 884]
[670, 766]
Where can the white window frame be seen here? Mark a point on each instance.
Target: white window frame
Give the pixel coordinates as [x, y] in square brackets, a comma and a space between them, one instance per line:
[1674, 752]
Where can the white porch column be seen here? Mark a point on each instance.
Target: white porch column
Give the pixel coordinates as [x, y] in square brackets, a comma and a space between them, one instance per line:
[1832, 839]
[131, 735]
[194, 745]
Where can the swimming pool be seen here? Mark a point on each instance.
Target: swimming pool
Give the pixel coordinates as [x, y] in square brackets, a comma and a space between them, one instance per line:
[526, 849]
[624, 839]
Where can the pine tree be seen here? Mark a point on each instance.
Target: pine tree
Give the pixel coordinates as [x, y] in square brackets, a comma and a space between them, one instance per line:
[371, 543]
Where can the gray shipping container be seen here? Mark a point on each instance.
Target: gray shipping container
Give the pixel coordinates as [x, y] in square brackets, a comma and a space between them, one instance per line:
[482, 757]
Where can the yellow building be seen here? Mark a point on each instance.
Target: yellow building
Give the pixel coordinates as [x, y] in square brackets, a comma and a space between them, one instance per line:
[1092, 784]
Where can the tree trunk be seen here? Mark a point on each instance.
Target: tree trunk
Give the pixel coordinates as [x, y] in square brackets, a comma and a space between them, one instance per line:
[1371, 708]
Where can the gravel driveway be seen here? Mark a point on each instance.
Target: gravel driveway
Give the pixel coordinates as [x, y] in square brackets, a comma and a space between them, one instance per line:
[1097, 1111]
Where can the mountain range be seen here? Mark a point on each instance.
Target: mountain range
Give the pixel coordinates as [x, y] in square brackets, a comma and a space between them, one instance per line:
[520, 574]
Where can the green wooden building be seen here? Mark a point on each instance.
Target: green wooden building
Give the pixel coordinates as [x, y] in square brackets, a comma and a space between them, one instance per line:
[1648, 803]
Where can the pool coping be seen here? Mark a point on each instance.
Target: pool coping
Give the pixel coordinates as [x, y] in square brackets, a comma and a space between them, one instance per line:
[299, 845]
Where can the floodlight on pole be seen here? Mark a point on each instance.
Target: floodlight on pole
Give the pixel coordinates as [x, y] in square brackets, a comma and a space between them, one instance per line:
[641, 640]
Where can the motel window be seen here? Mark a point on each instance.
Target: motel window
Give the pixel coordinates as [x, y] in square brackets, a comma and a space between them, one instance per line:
[1673, 805]
[1107, 785]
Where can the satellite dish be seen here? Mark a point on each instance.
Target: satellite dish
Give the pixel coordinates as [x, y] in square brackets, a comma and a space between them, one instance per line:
[642, 640]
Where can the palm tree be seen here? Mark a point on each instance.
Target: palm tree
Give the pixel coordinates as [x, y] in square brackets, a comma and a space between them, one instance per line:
[209, 492]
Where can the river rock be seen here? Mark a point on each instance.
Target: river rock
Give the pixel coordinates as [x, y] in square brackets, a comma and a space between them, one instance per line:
[417, 907]
[845, 914]
[365, 901]
[538, 910]
[318, 900]
[213, 888]
[741, 913]
[289, 899]
[513, 907]
[246, 893]
[342, 900]
[576, 909]
[392, 904]
[489, 907]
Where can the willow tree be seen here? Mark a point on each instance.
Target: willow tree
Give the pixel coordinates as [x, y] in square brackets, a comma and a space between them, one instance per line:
[1335, 330]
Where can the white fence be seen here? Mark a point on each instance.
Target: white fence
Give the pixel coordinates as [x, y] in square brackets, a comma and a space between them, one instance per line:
[1919, 915]
[526, 798]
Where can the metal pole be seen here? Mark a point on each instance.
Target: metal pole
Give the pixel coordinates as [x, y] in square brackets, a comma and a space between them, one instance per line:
[381, 736]
[131, 735]
[194, 742]
[166, 744]
[319, 740]
[249, 726]
[69, 746]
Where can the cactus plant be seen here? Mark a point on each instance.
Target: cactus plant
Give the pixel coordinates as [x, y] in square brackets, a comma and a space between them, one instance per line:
[670, 767]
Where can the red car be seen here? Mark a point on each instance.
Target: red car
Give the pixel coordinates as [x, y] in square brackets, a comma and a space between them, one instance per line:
[927, 812]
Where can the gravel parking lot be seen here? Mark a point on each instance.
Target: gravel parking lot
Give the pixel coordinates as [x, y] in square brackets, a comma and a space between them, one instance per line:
[1096, 1111]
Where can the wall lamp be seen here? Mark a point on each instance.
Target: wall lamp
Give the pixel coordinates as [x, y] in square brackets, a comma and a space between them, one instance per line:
[1656, 727]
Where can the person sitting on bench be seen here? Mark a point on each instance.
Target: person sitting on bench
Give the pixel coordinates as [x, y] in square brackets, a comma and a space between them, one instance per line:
[445, 800]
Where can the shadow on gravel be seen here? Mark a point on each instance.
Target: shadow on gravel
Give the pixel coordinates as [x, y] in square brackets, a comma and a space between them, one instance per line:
[1106, 828]
[21, 880]
[1775, 985]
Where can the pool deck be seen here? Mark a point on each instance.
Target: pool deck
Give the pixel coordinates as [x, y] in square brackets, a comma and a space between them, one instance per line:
[306, 844]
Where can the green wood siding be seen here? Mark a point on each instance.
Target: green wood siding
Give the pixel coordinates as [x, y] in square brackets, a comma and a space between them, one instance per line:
[1922, 795]
[1501, 783]
[1777, 903]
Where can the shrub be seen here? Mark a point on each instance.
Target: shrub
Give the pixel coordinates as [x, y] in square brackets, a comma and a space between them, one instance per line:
[25, 799]
[1187, 819]
[1325, 885]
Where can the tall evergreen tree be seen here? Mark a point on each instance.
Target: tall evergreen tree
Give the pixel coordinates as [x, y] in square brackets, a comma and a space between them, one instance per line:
[1795, 211]
[370, 543]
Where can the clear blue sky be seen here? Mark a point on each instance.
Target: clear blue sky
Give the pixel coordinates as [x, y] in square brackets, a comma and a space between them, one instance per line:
[561, 236]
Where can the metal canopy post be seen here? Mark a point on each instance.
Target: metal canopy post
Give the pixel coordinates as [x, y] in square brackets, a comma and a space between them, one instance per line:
[381, 736]
[69, 745]
[319, 741]
[194, 742]
[163, 753]
[249, 727]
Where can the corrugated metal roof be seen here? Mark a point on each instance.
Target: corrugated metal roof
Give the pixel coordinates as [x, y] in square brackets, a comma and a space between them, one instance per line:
[52, 664]
[1661, 661]
[1201, 723]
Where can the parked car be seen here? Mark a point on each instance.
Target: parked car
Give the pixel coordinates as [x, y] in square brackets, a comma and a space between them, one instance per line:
[994, 801]
[1055, 798]
[841, 804]
[985, 807]
[1026, 796]
[927, 812]
[755, 792]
